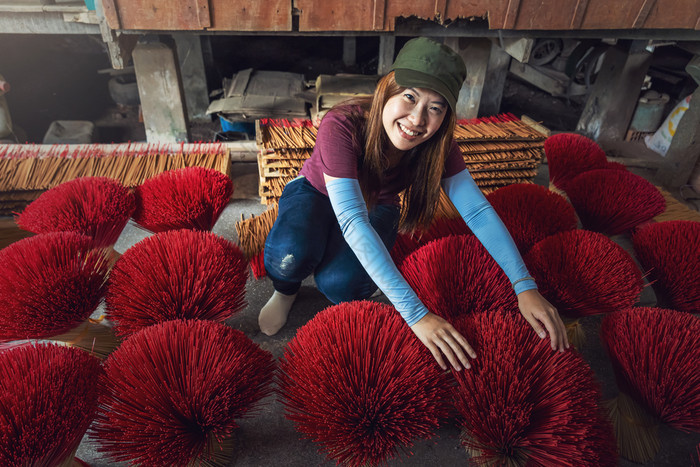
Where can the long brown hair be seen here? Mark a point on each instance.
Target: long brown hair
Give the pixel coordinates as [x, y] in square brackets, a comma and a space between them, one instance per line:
[421, 168]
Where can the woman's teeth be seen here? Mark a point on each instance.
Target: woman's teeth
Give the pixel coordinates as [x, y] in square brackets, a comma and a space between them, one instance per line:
[407, 131]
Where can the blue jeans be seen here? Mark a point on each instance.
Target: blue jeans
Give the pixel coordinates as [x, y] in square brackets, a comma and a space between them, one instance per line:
[306, 238]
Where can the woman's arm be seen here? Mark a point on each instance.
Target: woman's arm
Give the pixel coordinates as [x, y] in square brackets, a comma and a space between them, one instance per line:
[482, 219]
[436, 333]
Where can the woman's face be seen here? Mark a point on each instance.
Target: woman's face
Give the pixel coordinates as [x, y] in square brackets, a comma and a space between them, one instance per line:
[412, 117]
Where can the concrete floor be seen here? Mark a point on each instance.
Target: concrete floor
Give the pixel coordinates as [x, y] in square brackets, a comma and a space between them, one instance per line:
[268, 439]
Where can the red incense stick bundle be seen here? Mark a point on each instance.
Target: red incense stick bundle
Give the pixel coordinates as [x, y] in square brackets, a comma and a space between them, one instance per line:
[570, 154]
[172, 393]
[49, 284]
[522, 404]
[95, 206]
[655, 354]
[531, 213]
[669, 251]
[359, 384]
[614, 201]
[455, 275]
[189, 198]
[181, 274]
[48, 398]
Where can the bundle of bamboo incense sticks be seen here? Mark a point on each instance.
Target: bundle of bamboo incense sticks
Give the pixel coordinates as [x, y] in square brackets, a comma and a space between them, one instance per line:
[284, 146]
[285, 134]
[252, 232]
[28, 170]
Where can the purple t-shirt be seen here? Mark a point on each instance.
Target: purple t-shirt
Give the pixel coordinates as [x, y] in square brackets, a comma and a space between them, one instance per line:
[337, 153]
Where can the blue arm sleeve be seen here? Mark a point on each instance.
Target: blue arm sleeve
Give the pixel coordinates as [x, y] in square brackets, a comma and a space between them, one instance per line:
[488, 228]
[350, 209]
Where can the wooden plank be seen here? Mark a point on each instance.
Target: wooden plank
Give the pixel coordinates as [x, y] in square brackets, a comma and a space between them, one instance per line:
[511, 14]
[111, 15]
[335, 16]
[378, 15]
[579, 12]
[157, 15]
[643, 14]
[251, 15]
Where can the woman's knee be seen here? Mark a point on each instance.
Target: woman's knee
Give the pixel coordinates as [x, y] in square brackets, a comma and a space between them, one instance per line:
[290, 265]
[341, 287]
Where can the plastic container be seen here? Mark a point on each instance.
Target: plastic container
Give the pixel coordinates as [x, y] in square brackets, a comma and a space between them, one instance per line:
[233, 126]
[649, 112]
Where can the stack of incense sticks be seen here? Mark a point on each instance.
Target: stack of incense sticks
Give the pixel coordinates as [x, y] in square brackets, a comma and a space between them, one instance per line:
[499, 150]
[26, 171]
[284, 146]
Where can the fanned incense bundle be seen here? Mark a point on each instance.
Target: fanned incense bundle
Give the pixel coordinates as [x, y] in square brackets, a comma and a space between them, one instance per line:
[531, 213]
[48, 398]
[522, 404]
[670, 252]
[190, 198]
[49, 285]
[407, 243]
[655, 354]
[613, 201]
[252, 233]
[98, 207]
[454, 276]
[570, 154]
[172, 393]
[357, 382]
[584, 273]
[181, 274]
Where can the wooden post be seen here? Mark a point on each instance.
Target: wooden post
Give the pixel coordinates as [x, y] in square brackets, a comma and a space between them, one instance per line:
[684, 151]
[494, 81]
[387, 43]
[476, 53]
[349, 51]
[160, 90]
[194, 79]
[614, 95]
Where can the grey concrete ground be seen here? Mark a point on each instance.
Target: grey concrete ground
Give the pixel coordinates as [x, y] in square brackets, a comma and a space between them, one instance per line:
[268, 439]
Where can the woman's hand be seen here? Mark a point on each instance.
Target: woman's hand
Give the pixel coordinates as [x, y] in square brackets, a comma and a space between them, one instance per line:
[440, 337]
[538, 311]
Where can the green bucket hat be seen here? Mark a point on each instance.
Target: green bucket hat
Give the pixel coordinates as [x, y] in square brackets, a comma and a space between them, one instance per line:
[425, 63]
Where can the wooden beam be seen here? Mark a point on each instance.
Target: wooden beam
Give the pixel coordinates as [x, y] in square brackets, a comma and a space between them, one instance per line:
[643, 13]
[511, 14]
[579, 13]
[378, 15]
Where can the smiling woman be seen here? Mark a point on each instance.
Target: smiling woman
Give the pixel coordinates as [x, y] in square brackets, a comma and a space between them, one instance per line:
[340, 217]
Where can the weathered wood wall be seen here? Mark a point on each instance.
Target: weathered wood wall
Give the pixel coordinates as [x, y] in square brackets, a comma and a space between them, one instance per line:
[380, 15]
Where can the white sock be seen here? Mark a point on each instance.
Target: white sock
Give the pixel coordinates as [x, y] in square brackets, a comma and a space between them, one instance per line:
[274, 314]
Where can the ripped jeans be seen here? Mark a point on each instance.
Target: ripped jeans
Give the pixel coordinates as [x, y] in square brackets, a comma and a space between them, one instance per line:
[306, 239]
